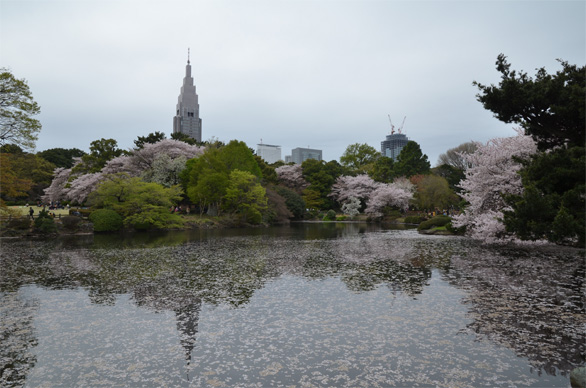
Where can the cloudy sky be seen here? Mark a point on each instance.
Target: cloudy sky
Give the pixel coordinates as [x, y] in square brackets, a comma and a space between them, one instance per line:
[323, 74]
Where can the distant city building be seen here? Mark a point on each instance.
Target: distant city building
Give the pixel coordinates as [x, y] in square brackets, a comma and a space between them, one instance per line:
[288, 159]
[299, 155]
[392, 146]
[187, 119]
[269, 153]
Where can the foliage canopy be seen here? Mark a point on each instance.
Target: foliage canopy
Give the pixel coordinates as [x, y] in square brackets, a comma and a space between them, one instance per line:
[138, 202]
[17, 108]
[411, 161]
[550, 107]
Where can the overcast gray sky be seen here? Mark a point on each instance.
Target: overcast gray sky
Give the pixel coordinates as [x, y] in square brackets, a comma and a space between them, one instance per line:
[323, 74]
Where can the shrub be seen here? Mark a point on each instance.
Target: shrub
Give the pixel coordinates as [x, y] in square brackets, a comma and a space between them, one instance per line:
[451, 228]
[434, 222]
[142, 225]
[70, 222]
[19, 223]
[391, 212]
[330, 216]
[106, 220]
[341, 218]
[414, 220]
[80, 212]
[44, 223]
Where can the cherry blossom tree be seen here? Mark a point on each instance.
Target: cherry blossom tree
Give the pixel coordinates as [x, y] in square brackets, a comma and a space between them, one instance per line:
[143, 159]
[347, 187]
[56, 190]
[152, 161]
[494, 173]
[404, 184]
[291, 176]
[397, 194]
[120, 164]
[165, 170]
[83, 186]
[351, 206]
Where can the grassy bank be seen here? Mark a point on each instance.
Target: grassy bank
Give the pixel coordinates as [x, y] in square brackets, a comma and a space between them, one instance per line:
[23, 210]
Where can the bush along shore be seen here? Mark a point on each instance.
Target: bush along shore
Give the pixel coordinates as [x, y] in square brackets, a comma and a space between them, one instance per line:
[88, 221]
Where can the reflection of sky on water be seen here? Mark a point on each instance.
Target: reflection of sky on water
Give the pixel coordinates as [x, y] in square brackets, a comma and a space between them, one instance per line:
[280, 309]
[85, 344]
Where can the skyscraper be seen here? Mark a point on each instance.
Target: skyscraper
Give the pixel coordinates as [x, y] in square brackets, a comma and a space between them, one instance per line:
[269, 153]
[300, 155]
[393, 145]
[187, 119]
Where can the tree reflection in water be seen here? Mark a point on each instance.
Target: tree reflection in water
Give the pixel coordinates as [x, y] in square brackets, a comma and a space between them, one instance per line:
[528, 300]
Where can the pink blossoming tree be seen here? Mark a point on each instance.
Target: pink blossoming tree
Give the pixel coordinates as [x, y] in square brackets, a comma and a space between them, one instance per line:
[360, 186]
[291, 176]
[397, 194]
[494, 172]
[160, 162]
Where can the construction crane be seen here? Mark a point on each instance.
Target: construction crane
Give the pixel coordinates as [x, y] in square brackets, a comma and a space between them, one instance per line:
[392, 126]
[403, 123]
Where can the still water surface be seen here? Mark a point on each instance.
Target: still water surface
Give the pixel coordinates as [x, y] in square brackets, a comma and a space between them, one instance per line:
[306, 305]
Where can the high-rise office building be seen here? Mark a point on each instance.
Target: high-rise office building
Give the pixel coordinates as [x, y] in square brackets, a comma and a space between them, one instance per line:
[269, 153]
[392, 146]
[187, 120]
[299, 155]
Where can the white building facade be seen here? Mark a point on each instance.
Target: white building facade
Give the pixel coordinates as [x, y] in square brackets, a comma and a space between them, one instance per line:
[269, 153]
[299, 155]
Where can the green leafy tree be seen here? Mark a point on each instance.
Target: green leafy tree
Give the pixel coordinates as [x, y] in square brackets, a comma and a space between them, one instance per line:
[237, 156]
[61, 157]
[383, 170]
[434, 192]
[313, 199]
[151, 138]
[552, 204]
[550, 108]
[35, 169]
[411, 161]
[268, 172]
[293, 201]
[11, 185]
[17, 108]
[450, 173]
[138, 202]
[184, 138]
[321, 177]
[209, 191]
[359, 156]
[11, 149]
[206, 178]
[101, 151]
[245, 197]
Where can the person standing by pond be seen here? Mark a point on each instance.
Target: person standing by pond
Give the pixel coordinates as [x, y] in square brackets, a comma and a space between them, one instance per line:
[31, 213]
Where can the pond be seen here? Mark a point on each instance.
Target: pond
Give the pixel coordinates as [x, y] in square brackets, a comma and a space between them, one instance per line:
[305, 305]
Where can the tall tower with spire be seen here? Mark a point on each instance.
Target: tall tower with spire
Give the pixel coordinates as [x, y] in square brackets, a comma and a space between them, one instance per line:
[187, 119]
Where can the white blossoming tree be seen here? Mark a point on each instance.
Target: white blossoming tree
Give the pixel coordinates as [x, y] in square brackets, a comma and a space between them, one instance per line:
[397, 194]
[494, 173]
[291, 176]
[160, 162]
[347, 187]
